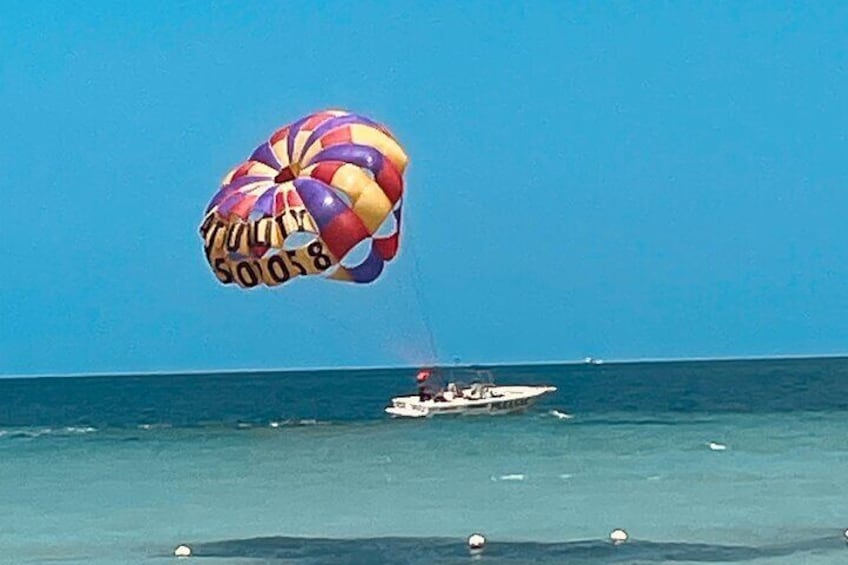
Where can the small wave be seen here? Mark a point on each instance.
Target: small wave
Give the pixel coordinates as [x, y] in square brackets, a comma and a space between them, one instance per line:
[80, 430]
[295, 423]
[511, 477]
[33, 433]
[30, 433]
[560, 415]
[153, 426]
[565, 476]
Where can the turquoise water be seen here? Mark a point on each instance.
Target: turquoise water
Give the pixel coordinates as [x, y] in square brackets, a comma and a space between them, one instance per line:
[269, 468]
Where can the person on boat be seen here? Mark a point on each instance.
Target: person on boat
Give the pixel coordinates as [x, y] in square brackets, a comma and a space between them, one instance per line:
[423, 389]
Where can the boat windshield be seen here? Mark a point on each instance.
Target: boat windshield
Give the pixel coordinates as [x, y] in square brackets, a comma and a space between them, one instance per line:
[457, 383]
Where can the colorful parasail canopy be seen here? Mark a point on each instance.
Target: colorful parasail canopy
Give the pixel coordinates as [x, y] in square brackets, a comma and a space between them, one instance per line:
[322, 196]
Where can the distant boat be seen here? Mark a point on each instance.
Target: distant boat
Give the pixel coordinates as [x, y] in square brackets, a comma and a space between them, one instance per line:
[592, 361]
[478, 398]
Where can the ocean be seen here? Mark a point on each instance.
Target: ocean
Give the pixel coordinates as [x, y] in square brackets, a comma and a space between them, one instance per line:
[700, 462]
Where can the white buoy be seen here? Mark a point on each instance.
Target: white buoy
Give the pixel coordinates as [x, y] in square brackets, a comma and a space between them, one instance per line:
[476, 542]
[182, 551]
[618, 536]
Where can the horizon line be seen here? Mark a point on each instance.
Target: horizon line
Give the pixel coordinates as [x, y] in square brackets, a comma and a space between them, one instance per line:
[594, 361]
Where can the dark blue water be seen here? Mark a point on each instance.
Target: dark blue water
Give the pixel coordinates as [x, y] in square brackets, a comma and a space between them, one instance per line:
[455, 551]
[760, 386]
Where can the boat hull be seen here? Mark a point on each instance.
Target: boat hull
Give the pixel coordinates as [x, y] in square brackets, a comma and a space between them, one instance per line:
[499, 400]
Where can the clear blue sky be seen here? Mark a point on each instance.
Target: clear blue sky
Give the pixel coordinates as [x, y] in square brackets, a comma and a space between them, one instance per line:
[609, 179]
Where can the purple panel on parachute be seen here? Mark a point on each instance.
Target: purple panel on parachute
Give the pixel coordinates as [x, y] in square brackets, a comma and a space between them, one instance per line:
[242, 182]
[229, 189]
[229, 203]
[368, 270]
[321, 201]
[360, 155]
[264, 154]
[220, 195]
[338, 122]
[265, 203]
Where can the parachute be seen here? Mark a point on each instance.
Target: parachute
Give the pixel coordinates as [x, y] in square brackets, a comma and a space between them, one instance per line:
[322, 196]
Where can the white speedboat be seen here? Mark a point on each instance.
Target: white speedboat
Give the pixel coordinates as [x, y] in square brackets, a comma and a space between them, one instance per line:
[477, 398]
